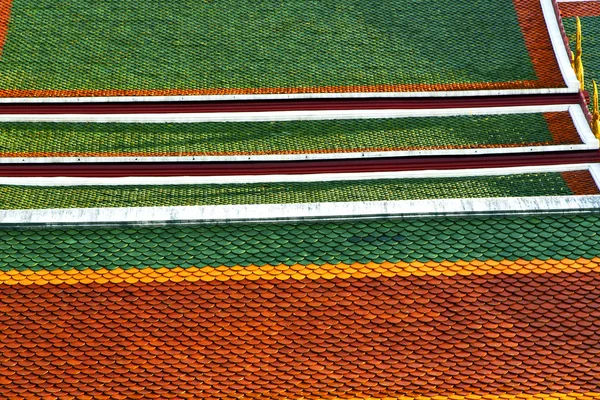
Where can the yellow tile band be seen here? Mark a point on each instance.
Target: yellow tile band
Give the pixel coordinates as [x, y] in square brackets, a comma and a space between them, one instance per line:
[296, 271]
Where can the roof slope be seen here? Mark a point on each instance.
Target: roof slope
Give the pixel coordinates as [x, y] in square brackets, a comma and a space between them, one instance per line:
[501, 306]
[293, 135]
[15, 196]
[132, 48]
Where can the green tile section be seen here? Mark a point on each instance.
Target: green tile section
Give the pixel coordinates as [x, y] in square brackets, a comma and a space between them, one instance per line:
[437, 239]
[27, 197]
[590, 35]
[214, 138]
[174, 44]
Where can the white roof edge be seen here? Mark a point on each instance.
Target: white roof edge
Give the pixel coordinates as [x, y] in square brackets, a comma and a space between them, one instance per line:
[284, 212]
[324, 177]
[560, 51]
[582, 126]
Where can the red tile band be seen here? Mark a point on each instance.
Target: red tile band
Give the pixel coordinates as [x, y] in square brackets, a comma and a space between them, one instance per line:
[274, 339]
[581, 183]
[5, 8]
[579, 9]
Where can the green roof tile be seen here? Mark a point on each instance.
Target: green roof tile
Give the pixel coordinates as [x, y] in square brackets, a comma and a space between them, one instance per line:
[218, 46]
[61, 139]
[39, 197]
[387, 240]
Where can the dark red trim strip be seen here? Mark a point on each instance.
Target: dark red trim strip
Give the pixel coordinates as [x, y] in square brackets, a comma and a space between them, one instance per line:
[298, 167]
[286, 105]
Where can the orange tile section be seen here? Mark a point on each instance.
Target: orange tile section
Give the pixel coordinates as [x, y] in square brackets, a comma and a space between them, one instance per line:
[537, 41]
[298, 272]
[579, 9]
[5, 8]
[561, 127]
[424, 337]
[581, 183]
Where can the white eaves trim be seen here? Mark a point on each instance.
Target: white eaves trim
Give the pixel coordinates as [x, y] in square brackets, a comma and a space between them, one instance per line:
[589, 141]
[572, 85]
[324, 210]
[560, 51]
[282, 212]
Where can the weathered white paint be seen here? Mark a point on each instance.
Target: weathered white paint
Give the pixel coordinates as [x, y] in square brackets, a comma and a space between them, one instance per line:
[558, 45]
[438, 94]
[281, 212]
[269, 116]
[275, 212]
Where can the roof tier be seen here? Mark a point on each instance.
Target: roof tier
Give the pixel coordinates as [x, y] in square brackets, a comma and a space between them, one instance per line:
[65, 195]
[132, 48]
[293, 135]
[495, 306]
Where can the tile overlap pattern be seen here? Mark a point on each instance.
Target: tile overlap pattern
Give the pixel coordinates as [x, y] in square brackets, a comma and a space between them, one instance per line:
[442, 336]
[515, 185]
[301, 47]
[62, 139]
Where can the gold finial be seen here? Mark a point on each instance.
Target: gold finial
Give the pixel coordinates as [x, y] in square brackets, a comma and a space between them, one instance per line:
[595, 112]
[577, 63]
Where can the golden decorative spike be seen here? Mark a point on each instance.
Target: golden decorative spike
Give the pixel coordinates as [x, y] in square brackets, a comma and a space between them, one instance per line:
[578, 64]
[595, 112]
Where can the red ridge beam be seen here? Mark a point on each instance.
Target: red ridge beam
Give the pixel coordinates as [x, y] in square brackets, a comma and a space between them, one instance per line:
[298, 167]
[287, 105]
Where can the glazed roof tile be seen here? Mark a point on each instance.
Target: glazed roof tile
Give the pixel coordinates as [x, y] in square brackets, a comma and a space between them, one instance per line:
[368, 136]
[288, 244]
[17, 197]
[106, 49]
[437, 308]
[579, 9]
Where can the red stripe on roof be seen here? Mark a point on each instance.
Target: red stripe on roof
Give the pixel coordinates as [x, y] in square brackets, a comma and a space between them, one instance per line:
[298, 167]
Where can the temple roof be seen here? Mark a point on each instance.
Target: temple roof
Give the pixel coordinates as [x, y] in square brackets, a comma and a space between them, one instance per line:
[492, 307]
[21, 194]
[219, 252]
[294, 135]
[133, 48]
